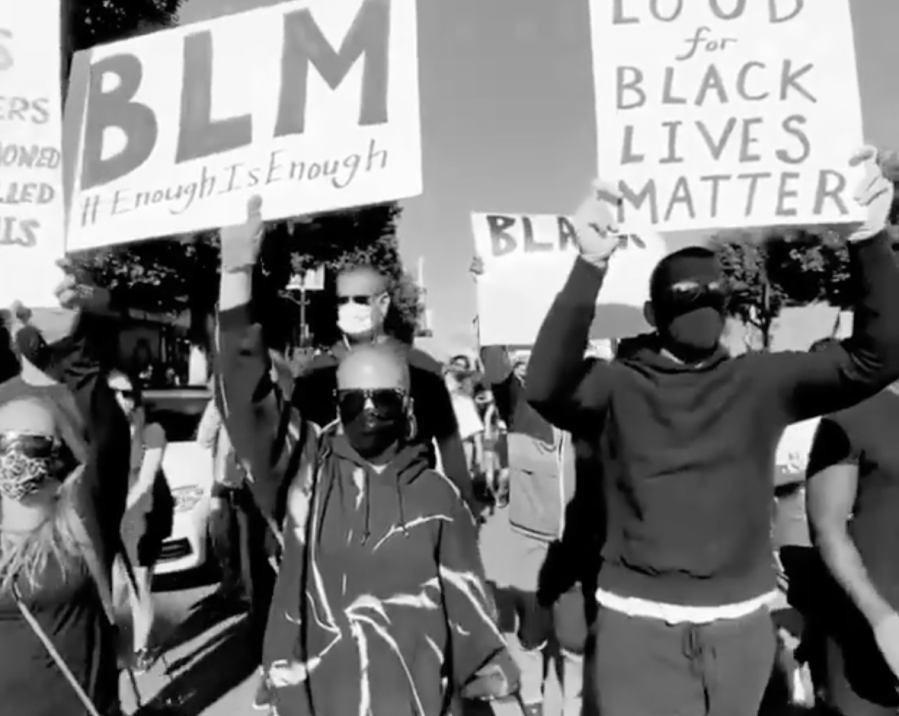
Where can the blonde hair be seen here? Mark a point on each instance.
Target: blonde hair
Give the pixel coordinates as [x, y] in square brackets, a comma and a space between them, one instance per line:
[27, 559]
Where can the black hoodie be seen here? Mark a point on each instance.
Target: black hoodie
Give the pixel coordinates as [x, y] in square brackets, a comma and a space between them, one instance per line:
[688, 450]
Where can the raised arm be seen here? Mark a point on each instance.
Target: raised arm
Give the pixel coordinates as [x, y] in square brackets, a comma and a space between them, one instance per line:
[830, 497]
[262, 426]
[499, 376]
[562, 385]
[811, 384]
[75, 361]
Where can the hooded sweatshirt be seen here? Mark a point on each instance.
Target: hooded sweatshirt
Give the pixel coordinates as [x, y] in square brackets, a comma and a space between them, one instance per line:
[381, 605]
[687, 451]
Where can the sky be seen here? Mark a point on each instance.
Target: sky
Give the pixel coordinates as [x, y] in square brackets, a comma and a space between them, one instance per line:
[507, 112]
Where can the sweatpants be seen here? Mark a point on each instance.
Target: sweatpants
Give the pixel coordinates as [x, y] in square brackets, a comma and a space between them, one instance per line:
[646, 667]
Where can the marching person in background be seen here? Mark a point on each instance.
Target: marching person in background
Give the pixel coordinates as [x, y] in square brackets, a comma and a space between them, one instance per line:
[687, 435]
[471, 429]
[63, 486]
[363, 307]
[853, 510]
[148, 443]
[496, 458]
[363, 618]
[228, 526]
[541, 482]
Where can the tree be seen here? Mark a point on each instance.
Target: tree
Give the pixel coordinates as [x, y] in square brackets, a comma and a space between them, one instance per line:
[94, 22]
[769, 271]
[355, 237]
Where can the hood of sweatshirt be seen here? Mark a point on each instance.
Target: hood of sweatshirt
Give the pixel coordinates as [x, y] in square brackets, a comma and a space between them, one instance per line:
[361, 498]
[644, 353]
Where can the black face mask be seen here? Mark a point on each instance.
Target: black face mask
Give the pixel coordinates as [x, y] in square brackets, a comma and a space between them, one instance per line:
[690, 317]
[374, 421]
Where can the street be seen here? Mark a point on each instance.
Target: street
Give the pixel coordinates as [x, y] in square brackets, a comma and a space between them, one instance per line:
[205, 668]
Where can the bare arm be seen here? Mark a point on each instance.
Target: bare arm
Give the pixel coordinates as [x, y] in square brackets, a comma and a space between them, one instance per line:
[210, 424]
[154, 451]
[830, 496]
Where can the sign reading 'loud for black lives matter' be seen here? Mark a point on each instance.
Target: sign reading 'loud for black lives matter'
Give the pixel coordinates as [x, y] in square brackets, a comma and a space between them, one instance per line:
[727, 113]
[311, 104]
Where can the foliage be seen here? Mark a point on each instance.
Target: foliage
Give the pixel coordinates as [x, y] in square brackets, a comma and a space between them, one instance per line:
[769, 271]
[93, 22]
[355, 237]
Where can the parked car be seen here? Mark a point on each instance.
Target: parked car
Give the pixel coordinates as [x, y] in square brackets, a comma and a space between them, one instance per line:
[188, 468]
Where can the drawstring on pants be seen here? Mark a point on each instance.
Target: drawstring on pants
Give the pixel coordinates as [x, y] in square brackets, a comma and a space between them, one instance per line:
[702, 659]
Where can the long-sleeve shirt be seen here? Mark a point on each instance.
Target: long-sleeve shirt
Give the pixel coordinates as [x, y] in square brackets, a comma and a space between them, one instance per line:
[687, 450]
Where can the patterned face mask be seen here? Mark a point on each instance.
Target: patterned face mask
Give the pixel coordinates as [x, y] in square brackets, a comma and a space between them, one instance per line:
[27, 461]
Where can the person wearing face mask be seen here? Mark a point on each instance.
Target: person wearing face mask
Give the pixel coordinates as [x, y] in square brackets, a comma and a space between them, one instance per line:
[64, 449]
[380, 561]
[363, 306]
[687, 445]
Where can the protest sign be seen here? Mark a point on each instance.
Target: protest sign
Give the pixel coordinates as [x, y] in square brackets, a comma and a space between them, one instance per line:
[526, 261]
[727, 113]
[32, 227]
[311, 104]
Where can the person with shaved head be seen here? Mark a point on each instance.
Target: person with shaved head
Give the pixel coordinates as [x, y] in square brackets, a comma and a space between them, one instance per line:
[363, 316]
[380, 606]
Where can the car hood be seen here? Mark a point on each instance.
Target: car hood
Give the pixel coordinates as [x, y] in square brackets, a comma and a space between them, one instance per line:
[187, 464]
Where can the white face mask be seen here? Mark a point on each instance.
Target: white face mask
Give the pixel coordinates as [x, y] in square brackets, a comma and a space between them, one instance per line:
[355, 319]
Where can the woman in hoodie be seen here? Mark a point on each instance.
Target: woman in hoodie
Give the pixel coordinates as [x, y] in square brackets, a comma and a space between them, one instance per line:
[381, 605]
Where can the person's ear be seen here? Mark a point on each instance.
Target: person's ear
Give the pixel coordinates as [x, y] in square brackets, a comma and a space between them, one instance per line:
[649, 314]
[383, 303]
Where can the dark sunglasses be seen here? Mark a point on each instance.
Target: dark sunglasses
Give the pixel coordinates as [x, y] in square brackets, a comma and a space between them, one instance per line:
[685, 295]
[30, 444]
[126, 394]
[357, 300]
[385, 402]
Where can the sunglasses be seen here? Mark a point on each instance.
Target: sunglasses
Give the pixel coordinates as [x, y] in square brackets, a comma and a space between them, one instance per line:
[385, 402]
[126, 394]
[31, 445]
[356, 300]
[685, 295]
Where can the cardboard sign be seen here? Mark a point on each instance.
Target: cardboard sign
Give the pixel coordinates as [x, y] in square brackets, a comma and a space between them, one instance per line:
[527, 260]
[32, 226]
[727, 113]
[312, 104]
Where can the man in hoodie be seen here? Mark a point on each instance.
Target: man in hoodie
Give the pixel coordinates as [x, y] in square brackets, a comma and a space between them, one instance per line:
[687, 444]
[380, 605]
[363, 305]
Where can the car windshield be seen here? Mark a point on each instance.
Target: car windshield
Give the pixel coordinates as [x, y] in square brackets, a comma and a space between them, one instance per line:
[178, 411]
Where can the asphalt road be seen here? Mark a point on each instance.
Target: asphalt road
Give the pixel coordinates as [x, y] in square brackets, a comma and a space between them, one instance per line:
[205, 668]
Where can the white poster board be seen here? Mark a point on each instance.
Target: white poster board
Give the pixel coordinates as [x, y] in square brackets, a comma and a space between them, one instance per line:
[527, 259]
[312, 104]
[727, 113]
[32, 225]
